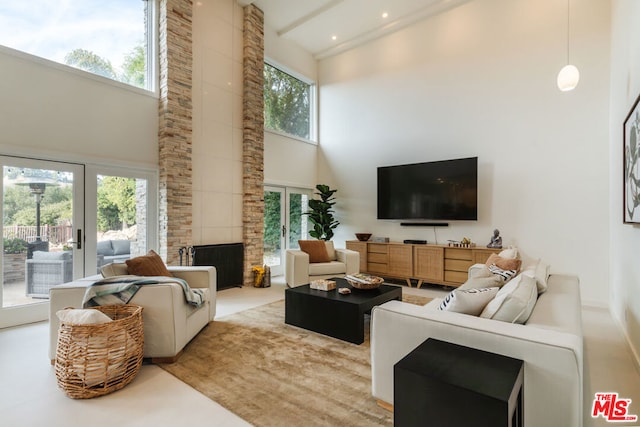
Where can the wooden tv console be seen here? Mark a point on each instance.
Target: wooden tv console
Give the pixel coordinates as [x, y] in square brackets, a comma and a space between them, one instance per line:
[438, 264]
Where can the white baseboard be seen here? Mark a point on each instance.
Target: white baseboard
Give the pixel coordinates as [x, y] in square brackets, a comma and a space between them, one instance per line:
[635, 354]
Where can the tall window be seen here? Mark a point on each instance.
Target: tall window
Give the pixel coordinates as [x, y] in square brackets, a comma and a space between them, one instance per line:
[288, 104]
[113, 39]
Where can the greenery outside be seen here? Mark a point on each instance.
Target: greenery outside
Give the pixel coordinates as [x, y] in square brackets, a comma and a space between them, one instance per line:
[134, 65]
[287, 103]
[116, 203]
[272, 225]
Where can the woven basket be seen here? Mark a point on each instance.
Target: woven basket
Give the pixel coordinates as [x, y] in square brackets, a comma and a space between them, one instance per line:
[372, 284]
[94, 360]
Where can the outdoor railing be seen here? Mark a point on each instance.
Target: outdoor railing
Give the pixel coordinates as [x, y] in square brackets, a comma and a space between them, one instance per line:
[55, 234]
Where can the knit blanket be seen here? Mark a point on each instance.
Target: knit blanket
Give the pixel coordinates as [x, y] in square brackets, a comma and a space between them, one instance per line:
[121, 289]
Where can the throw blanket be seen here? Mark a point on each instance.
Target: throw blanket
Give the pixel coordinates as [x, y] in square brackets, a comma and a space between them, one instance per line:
[120, 290]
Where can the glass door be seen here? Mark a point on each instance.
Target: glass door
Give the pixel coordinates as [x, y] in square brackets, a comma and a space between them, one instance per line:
[274, 229]
[121, 215]
[284, 223]
[43, 241]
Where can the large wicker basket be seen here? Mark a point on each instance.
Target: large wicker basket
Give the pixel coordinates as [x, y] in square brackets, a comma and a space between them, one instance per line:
[94, 360]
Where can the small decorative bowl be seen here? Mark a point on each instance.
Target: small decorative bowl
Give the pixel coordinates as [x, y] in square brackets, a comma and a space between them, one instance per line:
[363, 237]
[374, 283]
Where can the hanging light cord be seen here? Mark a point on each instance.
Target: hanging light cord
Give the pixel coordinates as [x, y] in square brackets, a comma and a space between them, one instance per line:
[568, 28]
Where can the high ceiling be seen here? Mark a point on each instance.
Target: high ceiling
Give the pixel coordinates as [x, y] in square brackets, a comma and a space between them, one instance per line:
[327, 27]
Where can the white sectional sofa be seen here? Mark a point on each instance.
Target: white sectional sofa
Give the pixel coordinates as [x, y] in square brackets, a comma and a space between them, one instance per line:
[549, 343]
[169, 322]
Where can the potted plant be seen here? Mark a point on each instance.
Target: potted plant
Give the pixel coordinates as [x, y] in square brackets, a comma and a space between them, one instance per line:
[15, 254]
[321, 213]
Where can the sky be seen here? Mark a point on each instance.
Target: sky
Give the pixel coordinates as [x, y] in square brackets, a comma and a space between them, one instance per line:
[53, 28]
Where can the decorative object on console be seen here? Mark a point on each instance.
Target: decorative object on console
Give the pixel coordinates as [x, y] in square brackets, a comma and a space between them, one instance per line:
[464, 243]
[376, 239]
[496, 240]
[631, 153]
[364, 281]
[363, 237]
[321, 213]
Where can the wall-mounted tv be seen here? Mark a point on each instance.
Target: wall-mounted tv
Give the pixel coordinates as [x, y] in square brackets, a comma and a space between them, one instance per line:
[442, 190]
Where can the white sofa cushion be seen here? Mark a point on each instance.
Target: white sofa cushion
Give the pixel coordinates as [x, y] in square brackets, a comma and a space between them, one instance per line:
[540, 272]
[468, 301]
[514, 302]
[510, 252]
[481, 277]
[324, 268]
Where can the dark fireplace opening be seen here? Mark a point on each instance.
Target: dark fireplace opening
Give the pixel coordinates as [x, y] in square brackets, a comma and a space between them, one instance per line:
[227, 258]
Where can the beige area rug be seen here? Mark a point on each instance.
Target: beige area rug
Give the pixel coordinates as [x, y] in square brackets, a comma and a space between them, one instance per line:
[273, 374]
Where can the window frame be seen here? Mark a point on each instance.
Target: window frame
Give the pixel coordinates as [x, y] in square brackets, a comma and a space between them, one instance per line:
[313, 104]
[152, 72]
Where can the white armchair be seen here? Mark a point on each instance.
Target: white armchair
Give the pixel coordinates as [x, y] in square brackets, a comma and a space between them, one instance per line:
[299, 271]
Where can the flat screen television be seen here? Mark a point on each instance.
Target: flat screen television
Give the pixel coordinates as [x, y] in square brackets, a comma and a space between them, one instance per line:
[442, 190]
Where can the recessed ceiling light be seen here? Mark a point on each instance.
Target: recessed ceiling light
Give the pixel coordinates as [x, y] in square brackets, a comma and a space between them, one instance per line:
[334, 37]
[385, 15]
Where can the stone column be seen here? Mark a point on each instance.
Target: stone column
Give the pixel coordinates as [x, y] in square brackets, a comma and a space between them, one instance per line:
[175, 128]
[253, 140]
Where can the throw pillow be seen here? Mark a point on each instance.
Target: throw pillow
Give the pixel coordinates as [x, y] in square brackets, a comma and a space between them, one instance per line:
[317, 250]
[514, 302]
[331, 252]
[506, 275]
[82, 316]
[510, 252]
[468, 301]
[504, 263]
[540, 272]
[482, 282]
[147, 265]
[479, 270]
[114, 269]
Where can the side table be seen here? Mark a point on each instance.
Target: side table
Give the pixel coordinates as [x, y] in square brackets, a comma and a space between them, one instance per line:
[452, 385]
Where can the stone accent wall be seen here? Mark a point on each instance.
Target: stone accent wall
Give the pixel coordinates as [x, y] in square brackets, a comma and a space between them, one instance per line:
[253, 140]
[175, 128]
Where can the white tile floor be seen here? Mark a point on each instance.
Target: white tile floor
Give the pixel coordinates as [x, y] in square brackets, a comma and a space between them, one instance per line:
[29, 396]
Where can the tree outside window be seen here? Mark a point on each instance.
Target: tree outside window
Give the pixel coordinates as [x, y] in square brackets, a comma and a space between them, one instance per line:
[287, 103]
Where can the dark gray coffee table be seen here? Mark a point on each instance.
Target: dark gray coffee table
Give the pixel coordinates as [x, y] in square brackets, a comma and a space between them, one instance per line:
[333, 314]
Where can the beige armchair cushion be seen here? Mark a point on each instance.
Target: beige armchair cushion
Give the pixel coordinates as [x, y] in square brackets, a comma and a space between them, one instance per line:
[299, 271]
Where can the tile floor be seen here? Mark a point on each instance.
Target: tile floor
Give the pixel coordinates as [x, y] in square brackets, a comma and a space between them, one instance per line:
[29, 396]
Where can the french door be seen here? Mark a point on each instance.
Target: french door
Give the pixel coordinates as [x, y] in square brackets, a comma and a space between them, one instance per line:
[63, 221]
[43, 240]
[284, 223]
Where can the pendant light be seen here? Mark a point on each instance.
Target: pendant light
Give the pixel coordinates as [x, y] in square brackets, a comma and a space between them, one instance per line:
[569, 75]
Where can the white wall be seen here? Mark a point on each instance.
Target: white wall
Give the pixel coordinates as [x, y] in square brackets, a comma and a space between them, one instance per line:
[288, 161]
[625, 239]
[53, 112]
[479, 80]
[217, 122]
